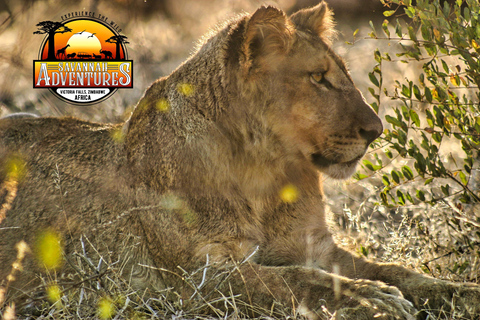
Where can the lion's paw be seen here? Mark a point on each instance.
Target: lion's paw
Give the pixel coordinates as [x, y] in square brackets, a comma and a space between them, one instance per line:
[374, 299]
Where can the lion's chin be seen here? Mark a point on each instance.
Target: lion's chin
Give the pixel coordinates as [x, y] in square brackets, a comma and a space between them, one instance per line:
[335, 170]
[340, 171]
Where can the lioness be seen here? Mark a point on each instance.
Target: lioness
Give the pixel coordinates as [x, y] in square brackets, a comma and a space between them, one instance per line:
[193, 180]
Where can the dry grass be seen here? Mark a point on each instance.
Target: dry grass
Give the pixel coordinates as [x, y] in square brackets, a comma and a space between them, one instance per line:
[441, 240]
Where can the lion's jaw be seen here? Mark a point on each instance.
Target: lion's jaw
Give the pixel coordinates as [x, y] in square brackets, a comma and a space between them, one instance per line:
[335, 170]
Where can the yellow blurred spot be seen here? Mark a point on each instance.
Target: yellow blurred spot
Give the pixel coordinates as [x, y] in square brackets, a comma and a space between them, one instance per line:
[49, 250]
[16, 167]
[163, 105]
[289, 193]
[143, 105]
[106, 308]
[475, 45]
[54, 293]
[186, 89]
[189, 216]
[117, 135]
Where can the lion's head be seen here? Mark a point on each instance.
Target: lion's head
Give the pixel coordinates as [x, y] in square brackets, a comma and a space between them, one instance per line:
[313, 104]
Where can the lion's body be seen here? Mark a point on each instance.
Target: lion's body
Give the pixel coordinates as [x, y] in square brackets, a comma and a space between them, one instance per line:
[198, 171]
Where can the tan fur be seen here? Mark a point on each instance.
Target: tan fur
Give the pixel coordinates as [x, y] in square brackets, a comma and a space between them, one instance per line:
[197, 173]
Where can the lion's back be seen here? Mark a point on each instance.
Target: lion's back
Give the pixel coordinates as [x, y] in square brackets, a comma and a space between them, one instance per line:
[52, 168]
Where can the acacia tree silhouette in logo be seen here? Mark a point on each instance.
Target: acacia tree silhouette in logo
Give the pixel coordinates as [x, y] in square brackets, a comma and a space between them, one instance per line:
[51, 28]
[118, 40]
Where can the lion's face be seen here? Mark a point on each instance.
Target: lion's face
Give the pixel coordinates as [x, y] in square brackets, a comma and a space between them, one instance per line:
[322, 111]
[316, 109]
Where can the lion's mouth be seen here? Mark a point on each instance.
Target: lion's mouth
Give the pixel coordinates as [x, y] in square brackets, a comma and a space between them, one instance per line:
[322, 162]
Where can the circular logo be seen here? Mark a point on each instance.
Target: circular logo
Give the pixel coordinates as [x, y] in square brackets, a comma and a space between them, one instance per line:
[82, 60]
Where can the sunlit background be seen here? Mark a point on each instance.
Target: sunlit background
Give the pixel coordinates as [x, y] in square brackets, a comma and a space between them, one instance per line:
[161, 35]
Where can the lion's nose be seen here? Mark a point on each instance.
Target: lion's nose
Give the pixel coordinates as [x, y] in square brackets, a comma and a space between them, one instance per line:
[372, 130]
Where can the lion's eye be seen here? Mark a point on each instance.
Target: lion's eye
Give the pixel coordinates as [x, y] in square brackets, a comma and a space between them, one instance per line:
[317, 77]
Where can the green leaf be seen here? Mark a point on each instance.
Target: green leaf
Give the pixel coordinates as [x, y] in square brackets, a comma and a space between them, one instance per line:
[402, 136]
[410, 11]
[445, 66]
[395, 176]
[384, 197]
[466, 14]
[373, 79]
[467, 168]
[416, 92]
[426, 32]
[401, 197]
[368, 165]
[446, 190]
[431, 49]
[411, 34]
[406, 91]
[385, 180]
[360, 176]
[409, 198]
[463, 177]
[420, 164]
[389, 154]
[364, 251]
[420, 195]
[372, 34]
[398, 29]
[437, 137]
[372, 92]
[415, 118]
[378, 58]
[393, 121]
[446, 9]
[385, 28]
[407, 172]
[428, 181]
[428, 95]
[388, 13]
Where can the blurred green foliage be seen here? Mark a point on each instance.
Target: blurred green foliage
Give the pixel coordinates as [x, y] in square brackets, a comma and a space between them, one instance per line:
[433, 111]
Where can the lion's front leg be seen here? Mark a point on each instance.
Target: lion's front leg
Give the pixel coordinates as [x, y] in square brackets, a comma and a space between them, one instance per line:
[309, 243]
[433, 295]
[426, 293]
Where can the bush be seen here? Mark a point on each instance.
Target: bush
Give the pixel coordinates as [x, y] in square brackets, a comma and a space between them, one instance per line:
[433, 112]
[420, 182]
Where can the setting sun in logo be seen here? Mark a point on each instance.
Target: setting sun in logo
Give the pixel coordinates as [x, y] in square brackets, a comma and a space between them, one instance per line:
[86, 42]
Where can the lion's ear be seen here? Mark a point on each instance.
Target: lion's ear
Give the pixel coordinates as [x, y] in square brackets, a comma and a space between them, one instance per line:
[268, 33]
[318, 19]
